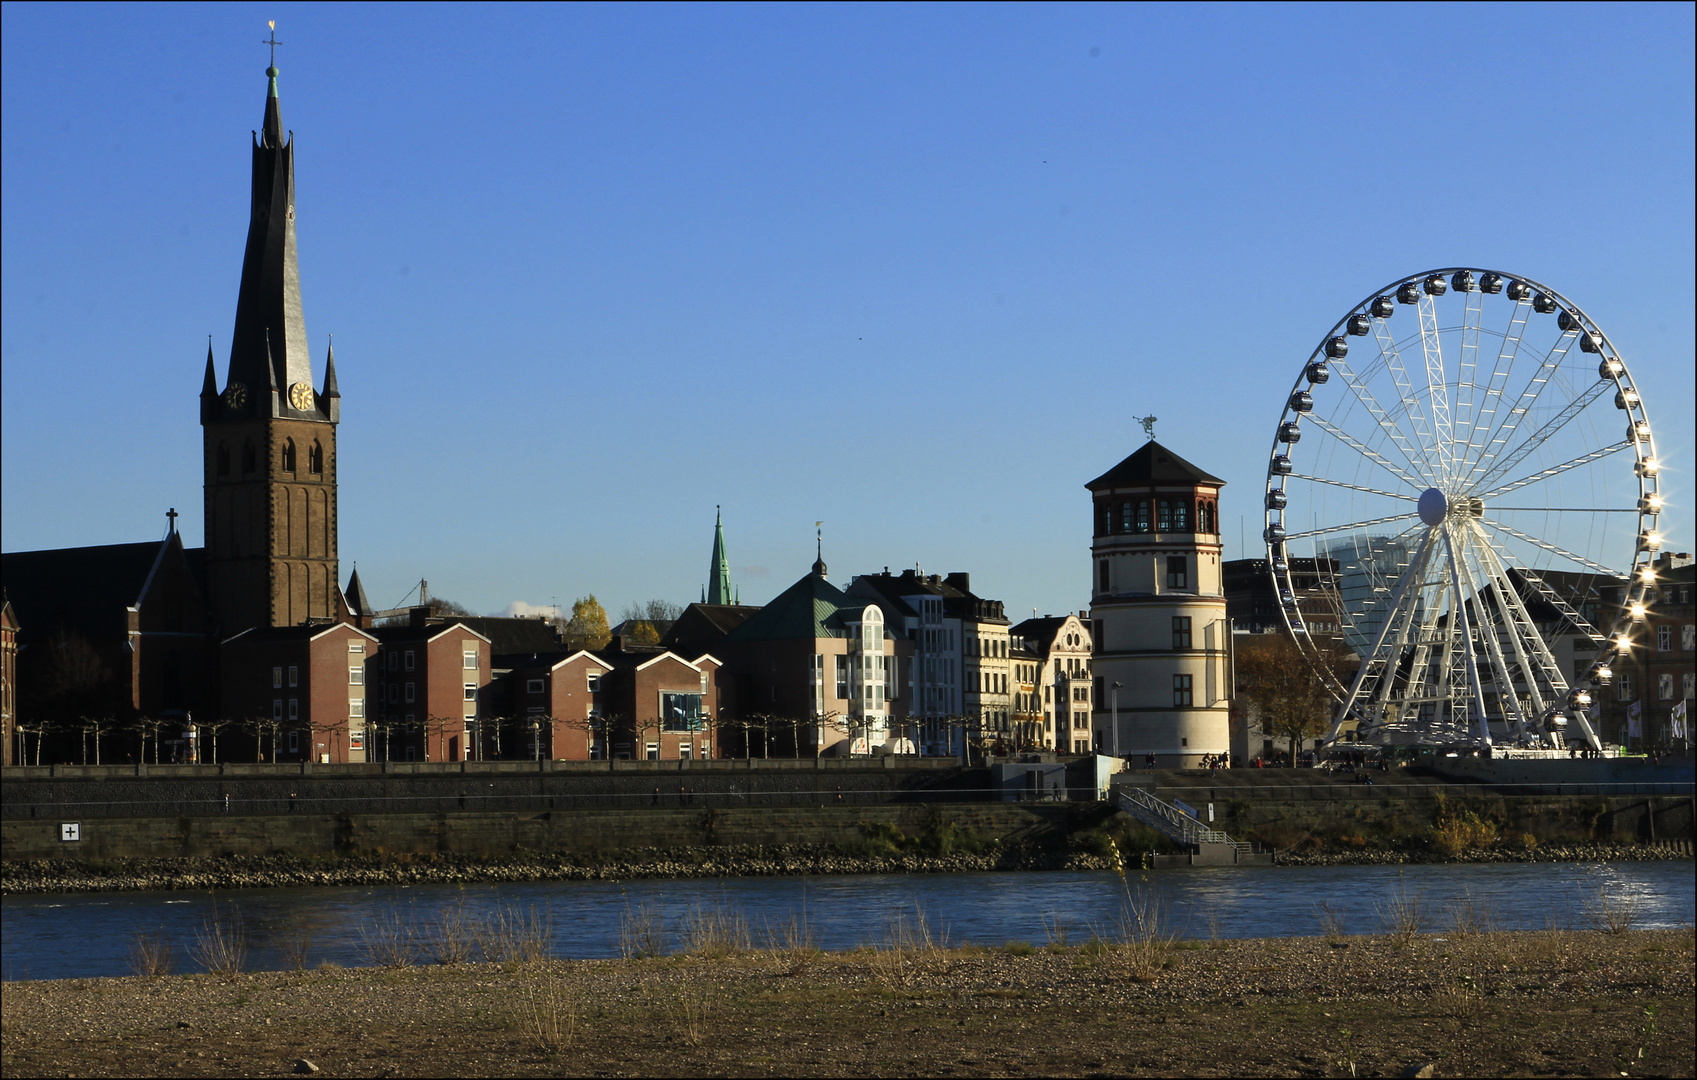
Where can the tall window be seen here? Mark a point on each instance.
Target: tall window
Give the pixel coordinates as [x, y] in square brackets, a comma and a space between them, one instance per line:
[1103, 587]
[1623, 685]
[288, 455]
[1664, 639]
[248, 461]
[1181, 515]
[1181, 691]
[1664, 686]
[223, 460]
[1177, 573]
[1164, 517]
[1181, 631]
[1142, 515]
[1125, 516]
[842, 676]
[315, 457]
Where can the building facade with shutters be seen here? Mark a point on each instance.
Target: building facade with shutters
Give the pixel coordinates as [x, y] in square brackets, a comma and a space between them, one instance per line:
[1158, 606]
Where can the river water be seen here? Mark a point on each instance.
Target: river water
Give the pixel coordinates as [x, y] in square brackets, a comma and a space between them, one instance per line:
[56, 936]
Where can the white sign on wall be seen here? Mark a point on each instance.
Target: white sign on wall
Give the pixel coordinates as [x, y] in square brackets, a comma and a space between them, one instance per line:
[70, 830]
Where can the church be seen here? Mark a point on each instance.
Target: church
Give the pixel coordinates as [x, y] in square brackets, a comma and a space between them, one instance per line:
[118, 647]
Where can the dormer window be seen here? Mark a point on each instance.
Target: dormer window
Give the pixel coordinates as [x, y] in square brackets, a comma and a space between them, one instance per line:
[315, 457]
[288, 455]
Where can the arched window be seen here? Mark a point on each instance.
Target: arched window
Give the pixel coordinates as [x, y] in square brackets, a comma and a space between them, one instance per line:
[315, 457]
[223, 459]
[288, 455]
[248, 460]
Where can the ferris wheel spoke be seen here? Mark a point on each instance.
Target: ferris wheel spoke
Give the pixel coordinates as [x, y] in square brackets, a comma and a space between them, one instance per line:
[1553, 549]
[1529, 396]
[1437, 381]
[1352, 487]
[1466, 372]
[1570, 616]
[1387, 423]
[1367, 452]
[1501, 370]
[1344, 528]
[1556, 470]
[1390, 355]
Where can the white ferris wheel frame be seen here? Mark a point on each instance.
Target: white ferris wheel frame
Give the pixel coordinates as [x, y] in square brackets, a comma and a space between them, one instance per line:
[1439, 443]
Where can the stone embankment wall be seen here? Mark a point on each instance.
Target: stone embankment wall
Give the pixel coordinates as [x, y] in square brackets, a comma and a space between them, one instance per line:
[88, 792]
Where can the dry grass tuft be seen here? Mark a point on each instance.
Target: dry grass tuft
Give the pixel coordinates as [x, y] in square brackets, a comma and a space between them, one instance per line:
[1611, 913]
[388, 940]
[1403, 915]
[715, 931]
[221, 945]
[551, 1009]
[509, 934]
[908, 948]
[152, 955]
[642, 932]
[1467, 915]
[1331, 918]
[450, 937]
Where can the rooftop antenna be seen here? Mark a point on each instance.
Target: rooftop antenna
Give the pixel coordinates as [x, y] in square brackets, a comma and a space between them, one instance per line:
[273, 42]
[1148, 423]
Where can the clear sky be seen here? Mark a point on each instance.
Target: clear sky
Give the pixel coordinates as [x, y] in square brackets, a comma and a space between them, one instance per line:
[913, 271]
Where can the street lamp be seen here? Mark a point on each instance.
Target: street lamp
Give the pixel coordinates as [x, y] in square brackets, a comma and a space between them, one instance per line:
[1114, 735]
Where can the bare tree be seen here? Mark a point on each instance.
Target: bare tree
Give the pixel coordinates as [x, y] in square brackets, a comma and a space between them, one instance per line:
[1283, 686]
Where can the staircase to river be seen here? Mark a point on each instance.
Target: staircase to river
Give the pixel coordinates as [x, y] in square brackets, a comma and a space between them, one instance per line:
[1181, 827]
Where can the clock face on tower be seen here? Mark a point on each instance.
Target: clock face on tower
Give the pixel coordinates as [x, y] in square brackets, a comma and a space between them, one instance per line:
[300, 396]
[235, 395]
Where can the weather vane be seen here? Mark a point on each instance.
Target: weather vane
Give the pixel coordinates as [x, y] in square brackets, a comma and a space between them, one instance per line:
[273, 42]
[1148, 423]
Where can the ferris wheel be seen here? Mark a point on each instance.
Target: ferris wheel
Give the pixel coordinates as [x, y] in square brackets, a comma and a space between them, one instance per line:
[1462, 481]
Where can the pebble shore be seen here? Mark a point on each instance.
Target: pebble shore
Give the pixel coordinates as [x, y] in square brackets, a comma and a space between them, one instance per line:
[285, 871]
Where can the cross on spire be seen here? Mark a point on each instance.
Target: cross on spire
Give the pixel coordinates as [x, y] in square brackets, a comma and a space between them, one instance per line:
[172, 515]
[272, 41]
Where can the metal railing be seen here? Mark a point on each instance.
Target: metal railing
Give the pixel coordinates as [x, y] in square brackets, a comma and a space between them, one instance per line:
[1172, 821]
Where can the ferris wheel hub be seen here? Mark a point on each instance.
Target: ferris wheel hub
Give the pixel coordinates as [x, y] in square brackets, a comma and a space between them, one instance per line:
[1434, 507]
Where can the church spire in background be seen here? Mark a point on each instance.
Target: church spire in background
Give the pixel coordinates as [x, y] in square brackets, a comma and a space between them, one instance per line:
[269, 302]
[719, 571]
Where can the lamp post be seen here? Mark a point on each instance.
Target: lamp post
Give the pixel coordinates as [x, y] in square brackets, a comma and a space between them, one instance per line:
[1114, 735]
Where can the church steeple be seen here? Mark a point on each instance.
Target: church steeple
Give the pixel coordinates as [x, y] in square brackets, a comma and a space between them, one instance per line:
[270, 437]
[719, 571]
[269, 303]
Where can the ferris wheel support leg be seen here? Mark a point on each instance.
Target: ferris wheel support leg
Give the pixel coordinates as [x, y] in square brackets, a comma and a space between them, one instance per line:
[1416, 566]
[1460, 614]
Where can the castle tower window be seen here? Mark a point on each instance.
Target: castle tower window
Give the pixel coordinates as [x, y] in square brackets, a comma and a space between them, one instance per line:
[1177, 577]
[1164, 518]
[1181, 631]
[288, 455]
[1181, 516]
[315, 457]
[1105, 574]
[223, 460]
[1143, 515]
[1125, 517]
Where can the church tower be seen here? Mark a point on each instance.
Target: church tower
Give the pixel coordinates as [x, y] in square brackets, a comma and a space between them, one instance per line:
[719, 589]
[270, 434]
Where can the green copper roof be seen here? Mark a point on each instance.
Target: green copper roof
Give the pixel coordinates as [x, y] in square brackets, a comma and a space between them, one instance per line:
[272, 73]
[812, 608]
[719, 589]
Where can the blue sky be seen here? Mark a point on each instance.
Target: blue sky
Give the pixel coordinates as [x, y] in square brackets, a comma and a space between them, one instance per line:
[913, 271]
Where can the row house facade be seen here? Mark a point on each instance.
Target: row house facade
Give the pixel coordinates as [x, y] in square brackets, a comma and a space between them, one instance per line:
[1059, 648]
[919, 607]
[624, 702]
[426, 688]
[297, 693]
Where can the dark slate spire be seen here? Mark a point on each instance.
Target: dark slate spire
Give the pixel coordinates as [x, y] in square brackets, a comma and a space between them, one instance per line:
[208, 386]
[355, 592]
[332, 401]
[269, 304]
[719, 571]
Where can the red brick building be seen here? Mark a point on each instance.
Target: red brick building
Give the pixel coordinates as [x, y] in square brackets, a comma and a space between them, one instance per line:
[627, 701]
[427, 692]
[298, 693]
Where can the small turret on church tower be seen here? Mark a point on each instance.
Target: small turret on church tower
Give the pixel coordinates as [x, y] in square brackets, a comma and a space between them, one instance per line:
[270, 434]
[1158, 603]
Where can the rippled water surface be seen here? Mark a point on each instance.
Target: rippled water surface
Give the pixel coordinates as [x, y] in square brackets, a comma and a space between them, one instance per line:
[79, 935]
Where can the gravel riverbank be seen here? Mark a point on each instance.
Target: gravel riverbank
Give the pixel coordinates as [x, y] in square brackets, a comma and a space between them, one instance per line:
[1555, 1003]
[287, 871]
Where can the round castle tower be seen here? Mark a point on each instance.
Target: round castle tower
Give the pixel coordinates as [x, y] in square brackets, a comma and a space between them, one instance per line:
[1162, 642]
